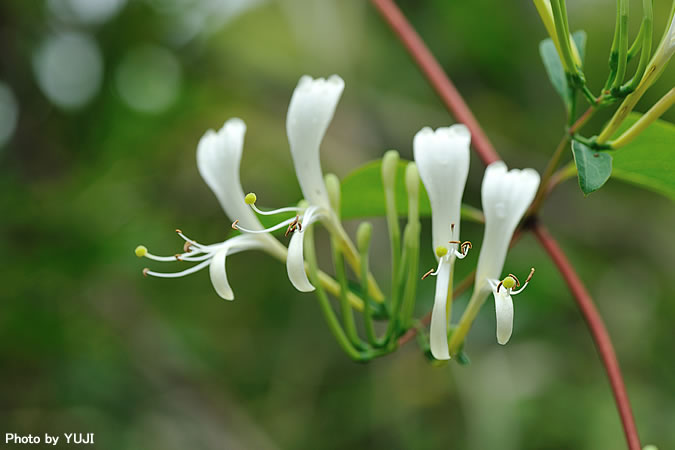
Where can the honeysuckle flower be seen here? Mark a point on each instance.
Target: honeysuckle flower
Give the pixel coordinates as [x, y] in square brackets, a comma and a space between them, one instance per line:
[218, 160]
[310, 111]
[502, 291]
[442, 158]
[506, 195]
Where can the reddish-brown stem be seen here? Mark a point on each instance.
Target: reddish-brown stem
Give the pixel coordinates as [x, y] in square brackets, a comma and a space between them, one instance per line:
[437, 78]
[597, 327]
[457, 107]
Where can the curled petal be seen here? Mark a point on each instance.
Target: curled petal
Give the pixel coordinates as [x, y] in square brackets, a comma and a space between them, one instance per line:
[295, 263]
[218, 275]
[217, 269]
[504, 313]
[439, 320]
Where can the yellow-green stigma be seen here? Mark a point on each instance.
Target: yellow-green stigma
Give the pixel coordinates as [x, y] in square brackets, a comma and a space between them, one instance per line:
[509, 282]
[250, 198]
[141, 251]
[441, 251]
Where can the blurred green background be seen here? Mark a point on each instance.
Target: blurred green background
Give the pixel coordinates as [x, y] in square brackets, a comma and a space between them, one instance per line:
[102, 103]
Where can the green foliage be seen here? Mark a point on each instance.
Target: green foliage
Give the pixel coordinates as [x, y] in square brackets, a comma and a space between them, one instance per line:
[648, 161]
[593, 167]
[363, 194]
[554, 68]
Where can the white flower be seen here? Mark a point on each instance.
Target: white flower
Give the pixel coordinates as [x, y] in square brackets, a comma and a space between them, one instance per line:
[310, 112]
[502, 291]
[218, 159]
[442, 158]
[506, 195]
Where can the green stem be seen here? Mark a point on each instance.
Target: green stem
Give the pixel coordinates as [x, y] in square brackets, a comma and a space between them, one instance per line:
[477, 299]
[560, 19]
[346, 309]
[646, 35]
[622, 12]
[324, 303]
[364, 245]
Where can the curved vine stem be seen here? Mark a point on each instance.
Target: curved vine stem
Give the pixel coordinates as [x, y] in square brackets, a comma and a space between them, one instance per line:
[459, 109]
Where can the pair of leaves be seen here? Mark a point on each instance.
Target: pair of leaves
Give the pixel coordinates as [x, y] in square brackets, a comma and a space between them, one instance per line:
[646, 162]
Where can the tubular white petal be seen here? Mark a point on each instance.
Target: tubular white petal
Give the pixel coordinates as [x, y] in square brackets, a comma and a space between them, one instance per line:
[218, 160]
[439, 322]
[506, 195]
[310, 112]
[504, 313]
[442, 158]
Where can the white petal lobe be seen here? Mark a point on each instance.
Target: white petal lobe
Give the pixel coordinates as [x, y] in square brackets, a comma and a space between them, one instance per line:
[504, 313]
[218, 275]
[439, 322]
[442, 157]
[295, 263]
[310, 112]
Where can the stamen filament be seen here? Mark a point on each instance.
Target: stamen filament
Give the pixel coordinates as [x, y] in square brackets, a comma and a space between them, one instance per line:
[193, 269]
[285, 223]
[275, 211]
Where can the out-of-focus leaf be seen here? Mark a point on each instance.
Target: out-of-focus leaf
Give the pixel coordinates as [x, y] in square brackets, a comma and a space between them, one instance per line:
[648, 161]
[363, 194]
[593, 167]
[554, 67]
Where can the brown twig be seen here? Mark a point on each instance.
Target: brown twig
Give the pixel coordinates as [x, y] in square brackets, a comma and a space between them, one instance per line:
[597, 327]
[437, 77]
[457, 107]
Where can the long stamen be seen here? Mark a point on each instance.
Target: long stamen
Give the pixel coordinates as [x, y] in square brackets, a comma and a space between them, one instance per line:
[529, 277]
[192, 269]
[190, 241]
[251, 198]
[278, 226]
[275, 211]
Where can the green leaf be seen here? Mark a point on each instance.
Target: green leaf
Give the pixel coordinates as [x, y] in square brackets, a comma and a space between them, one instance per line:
[593, 167]
[579, 38]
[363, 195]
[554, 68]
[648, 161]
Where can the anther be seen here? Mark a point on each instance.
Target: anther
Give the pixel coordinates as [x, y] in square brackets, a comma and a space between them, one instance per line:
[178, 230]
[177, 256]
[187, 247]
[529, 277]
[452, 227]
[515, 278]
[465, 247]
[145, 272]
[428, 273]
[293, 225]
[234, 224]
[454, 242]
[499, 285]
[250, 198]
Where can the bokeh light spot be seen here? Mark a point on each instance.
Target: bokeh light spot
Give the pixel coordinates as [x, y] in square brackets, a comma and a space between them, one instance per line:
[148, 79]
[69, 69]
